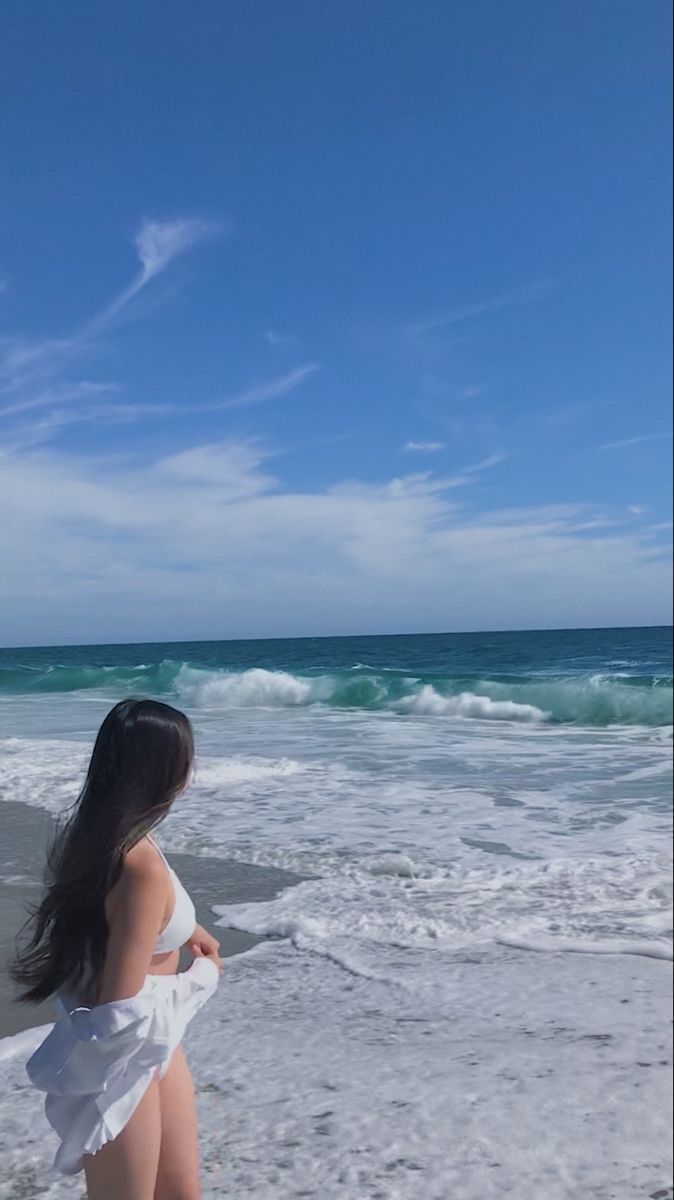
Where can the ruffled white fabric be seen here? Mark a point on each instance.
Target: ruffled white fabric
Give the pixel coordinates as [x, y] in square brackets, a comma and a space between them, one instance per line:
[96, 1063]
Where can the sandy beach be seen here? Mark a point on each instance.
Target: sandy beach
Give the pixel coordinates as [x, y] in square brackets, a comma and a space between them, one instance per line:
[314, 1082]
[25, 834]
[317, 1079]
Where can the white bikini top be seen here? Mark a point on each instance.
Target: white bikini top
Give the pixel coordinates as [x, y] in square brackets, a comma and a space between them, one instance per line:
[183, 919]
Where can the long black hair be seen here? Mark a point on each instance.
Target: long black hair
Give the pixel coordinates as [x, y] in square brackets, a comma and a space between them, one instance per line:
[141, 761]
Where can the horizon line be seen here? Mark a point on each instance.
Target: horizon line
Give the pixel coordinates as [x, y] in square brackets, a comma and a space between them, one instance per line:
[337, 636]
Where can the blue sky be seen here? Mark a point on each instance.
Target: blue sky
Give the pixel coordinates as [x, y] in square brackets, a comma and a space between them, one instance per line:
[333, 318]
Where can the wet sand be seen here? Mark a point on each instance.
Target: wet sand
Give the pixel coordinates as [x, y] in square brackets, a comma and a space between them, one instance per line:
[24, 836]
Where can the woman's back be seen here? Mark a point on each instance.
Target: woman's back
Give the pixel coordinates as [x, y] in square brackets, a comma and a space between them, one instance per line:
[144, 888]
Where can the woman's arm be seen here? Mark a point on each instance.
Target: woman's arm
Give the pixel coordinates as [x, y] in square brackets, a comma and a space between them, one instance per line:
[135, 925]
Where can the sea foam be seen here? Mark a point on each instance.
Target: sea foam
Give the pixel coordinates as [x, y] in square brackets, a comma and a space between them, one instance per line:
[466, 704]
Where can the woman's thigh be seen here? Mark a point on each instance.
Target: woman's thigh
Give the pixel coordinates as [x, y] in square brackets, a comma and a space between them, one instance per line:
[127, 1166]
[178, 1171]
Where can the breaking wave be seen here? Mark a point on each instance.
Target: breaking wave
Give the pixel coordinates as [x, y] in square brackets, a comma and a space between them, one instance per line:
[596, 700]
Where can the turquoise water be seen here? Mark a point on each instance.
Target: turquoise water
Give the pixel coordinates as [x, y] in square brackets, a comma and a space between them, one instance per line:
[526, 775]
[586, 677]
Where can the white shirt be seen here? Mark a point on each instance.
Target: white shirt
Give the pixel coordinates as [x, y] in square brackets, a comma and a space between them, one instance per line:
[96, 1063]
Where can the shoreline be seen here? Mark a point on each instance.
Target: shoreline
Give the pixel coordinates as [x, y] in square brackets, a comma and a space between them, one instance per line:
[25, 835]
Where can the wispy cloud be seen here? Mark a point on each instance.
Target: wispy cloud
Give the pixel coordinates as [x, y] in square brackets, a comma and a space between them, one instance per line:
[516, 296]
[466, 474]
[424, 447]
[568, 414]
[34, 371]
[64, 393]
[157, 244]
[485, 463]
[24, 361]
[635, 441]
[278, 340]
[266, 391]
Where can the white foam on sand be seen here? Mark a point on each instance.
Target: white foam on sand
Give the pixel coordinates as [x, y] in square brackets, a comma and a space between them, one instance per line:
[619, 906]
[526, 1077]
[645, 949]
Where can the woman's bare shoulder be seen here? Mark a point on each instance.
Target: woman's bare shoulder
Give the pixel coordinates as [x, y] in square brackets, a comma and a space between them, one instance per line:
[143, 859]
[143, 874]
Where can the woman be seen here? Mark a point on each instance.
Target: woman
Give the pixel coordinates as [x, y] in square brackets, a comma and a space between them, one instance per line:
[112, 919]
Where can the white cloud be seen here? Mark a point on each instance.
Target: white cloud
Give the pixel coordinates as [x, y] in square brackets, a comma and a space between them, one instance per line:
[277, 340]
[85, 389]
[32, 371]
[205, 543]
[424, 447]
[157, 244]
[26, 362]
[635, 441]
[266, 391]
[513, 298]
[229, 468]
[485, 463]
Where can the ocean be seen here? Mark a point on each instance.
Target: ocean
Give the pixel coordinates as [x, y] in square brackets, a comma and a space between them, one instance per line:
[459, 998]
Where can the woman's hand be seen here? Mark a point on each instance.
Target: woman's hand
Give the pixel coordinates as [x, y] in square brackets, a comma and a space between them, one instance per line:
[202, 944]
[203, 939]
